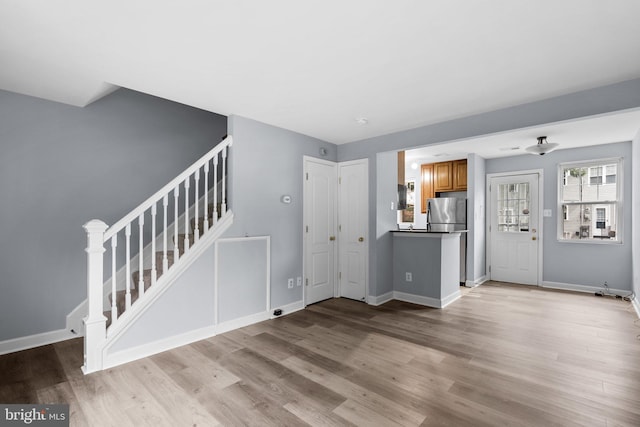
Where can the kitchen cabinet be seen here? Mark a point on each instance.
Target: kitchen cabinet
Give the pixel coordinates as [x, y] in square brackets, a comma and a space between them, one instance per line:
[442, 177]
[459, 171]
[427, 191]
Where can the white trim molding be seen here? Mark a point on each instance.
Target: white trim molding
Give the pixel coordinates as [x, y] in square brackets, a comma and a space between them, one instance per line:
[473, 283]
[149, 349]
[427, 301]
[186, 338]
[636, 305]
[31, 341]
[288, 309]
[415, 299]
[450, 298]
[241, 322]
[581, 288]
[380, 299]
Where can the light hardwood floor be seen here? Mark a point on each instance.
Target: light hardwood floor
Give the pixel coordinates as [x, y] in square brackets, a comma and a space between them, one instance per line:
[502, 355]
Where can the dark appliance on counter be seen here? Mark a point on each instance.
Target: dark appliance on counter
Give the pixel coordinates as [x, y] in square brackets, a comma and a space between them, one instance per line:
[447, 214]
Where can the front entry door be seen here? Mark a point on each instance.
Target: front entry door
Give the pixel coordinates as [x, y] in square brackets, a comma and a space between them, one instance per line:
[320, 229]
[353, 228]
[514, 229]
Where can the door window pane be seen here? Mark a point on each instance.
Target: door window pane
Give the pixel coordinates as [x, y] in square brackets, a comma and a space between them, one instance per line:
[513, 207]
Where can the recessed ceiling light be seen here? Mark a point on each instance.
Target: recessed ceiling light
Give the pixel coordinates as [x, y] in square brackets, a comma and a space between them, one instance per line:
[509, 148]
[362, 121]
[414, 165]
[441, 154]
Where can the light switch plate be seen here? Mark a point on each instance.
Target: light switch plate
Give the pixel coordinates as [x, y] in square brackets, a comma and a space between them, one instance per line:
[546, 212]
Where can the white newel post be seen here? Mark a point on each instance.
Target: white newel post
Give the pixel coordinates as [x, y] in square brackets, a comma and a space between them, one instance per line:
[95, 324]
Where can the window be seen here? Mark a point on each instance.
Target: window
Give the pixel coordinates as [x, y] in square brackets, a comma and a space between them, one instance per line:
[590, 202]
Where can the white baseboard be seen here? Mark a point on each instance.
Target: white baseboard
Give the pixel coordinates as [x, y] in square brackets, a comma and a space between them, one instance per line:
[636, 305]
[380, 299]
[450, 298]
[37, 340]
[149, 349]
[288, 309]
[241, 322]
[581, 288]
[473, 283]
[417, 299]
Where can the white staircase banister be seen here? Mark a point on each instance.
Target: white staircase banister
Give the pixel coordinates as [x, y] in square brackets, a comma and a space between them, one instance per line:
[134, 214]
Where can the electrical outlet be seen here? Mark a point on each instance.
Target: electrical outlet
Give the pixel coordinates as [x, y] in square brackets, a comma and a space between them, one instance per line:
[299, 281]
[290, 283]
[408, 277]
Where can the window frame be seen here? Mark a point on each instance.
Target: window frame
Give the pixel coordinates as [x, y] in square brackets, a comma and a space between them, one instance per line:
[562, 181]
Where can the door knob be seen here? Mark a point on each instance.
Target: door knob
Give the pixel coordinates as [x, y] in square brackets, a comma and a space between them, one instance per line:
[534, 238]
[332, 238]
[361, 239]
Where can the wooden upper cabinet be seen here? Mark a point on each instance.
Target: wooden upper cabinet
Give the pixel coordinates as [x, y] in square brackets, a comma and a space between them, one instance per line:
[459, 175]
[427, 191]
[442, 177]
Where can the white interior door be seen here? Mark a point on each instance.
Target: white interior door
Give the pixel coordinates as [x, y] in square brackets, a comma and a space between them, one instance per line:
[353, 214]
[320, 229]
[514, 231]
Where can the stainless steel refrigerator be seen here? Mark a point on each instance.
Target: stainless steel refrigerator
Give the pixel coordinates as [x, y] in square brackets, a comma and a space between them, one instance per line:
[446, 214]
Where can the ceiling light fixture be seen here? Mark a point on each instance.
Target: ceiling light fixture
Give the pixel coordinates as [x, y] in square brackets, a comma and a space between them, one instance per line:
[542, 147]
[362, 121]
[414, 166]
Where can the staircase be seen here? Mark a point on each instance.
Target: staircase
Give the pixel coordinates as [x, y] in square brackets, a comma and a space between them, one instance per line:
[120, 296]
[149, 248]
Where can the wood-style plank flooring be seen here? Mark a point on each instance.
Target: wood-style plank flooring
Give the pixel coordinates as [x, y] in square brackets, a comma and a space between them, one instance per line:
[502, 355]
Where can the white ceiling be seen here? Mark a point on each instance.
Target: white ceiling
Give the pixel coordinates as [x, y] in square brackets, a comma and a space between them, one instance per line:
[315, 66]
[595, 130]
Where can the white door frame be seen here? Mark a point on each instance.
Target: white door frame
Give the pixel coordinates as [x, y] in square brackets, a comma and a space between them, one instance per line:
[306, 159]
[336, 289]
[365, 161]
[488, 214]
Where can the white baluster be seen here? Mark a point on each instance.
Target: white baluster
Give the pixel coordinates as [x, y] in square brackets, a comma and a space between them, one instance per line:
[186, 215]
[114, 306]
[223, 207]
[176, 195]
[206, 196]
[140, 256]
[95, 324]
[165, 260]
[127, 292]
[215, 190]
[196, 231]
[154, 272]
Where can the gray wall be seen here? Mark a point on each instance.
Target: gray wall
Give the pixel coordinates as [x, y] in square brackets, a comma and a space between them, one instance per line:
[635, 223]
[476, 238]
[600, 100]
[242, 291]
[187, 305]
[266, 163]
[62, 166]
[586, 263]
[385, 176]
